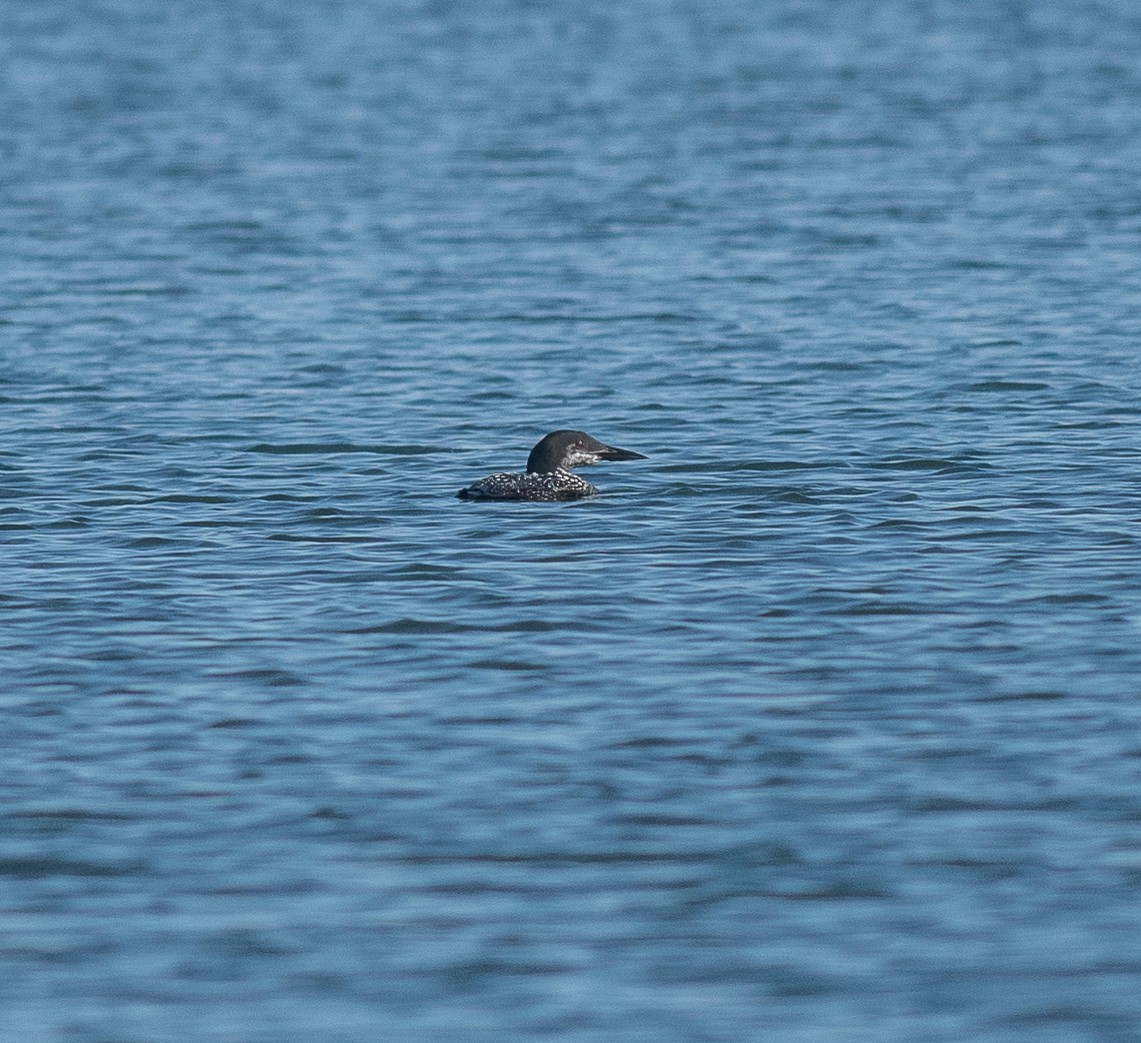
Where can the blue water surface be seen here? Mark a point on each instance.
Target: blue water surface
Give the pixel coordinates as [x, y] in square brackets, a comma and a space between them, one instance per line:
[820, 724]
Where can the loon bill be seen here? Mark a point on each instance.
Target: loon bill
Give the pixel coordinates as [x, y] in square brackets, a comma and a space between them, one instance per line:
[548, 475]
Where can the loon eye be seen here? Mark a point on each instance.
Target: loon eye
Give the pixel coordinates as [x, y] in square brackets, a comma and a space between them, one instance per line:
[578, 444]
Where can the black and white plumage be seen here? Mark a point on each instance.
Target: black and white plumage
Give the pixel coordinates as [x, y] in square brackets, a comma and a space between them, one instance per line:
[548, 476]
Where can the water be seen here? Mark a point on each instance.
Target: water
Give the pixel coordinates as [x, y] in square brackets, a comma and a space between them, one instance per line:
[820, 723]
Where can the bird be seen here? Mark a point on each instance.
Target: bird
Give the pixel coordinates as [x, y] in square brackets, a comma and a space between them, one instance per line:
[548, 476]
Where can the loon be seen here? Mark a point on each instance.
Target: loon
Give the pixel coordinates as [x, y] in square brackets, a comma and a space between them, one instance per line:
[548, 475]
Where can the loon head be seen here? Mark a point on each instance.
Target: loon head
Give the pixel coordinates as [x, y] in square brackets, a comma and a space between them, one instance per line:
[567, 449]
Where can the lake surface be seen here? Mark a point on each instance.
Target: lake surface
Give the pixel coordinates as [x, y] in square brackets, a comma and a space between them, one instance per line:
[821, 723]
